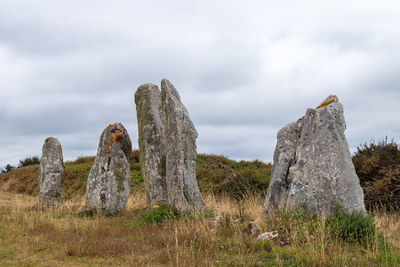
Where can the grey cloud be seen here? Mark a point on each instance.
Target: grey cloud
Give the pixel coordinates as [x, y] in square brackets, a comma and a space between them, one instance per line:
[238, 142]
[347, 40]
[243, 71]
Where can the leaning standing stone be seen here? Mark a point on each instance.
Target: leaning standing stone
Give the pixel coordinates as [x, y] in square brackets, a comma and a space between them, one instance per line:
[151, 133]
[52, 173]
[183, 192]
[109, 181]
[312, 167]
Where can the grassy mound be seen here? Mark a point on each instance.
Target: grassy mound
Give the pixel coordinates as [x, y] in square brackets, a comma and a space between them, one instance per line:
[216, 174]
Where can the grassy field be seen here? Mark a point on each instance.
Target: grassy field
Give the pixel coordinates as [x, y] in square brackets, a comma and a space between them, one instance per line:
[156, 236]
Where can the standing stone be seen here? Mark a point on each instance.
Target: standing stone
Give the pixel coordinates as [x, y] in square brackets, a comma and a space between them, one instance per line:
[180, 145]
[312, 167]
[109, 181]
[52, 173]
[151, 142]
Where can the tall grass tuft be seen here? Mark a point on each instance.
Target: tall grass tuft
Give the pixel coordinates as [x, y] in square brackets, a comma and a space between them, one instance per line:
[356, 227]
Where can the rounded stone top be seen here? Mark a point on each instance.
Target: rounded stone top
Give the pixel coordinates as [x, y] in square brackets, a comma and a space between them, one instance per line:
[51, 139]
[51, 145]
[115, 134]
[52, 156]
[168, 88]
[145, 90]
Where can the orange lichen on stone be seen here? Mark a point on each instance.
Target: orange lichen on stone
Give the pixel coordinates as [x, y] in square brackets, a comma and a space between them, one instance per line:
[111, 143]
[328, 101]
[47, 139]
[117, 136]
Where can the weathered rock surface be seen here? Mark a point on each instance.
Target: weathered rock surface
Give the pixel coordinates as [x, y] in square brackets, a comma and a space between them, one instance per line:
[181, 154]
[52, 173]
[267, 236]
[312, 167]
[167, 144]
[109, 181]
[150, 118]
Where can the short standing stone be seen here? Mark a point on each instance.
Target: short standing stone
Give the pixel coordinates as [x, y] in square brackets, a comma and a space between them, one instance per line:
[52, 173]
[183, 192]
[151, 133]
[312, 167]
[109, 181]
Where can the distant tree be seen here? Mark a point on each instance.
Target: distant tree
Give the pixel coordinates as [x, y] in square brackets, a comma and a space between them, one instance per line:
[29, 161]
[22, 163]
[6, 169]
[9, 167]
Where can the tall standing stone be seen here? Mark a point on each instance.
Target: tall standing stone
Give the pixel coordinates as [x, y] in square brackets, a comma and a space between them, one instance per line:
[109, 181]
[52, 173]
[151, 142]
[312, 167]
[181, 154]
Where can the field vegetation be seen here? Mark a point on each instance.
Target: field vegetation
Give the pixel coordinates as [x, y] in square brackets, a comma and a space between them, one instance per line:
[143, 235]
[234, 194]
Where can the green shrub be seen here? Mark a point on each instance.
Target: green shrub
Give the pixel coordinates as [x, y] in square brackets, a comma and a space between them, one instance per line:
[6, 169]
[29, 161]
[356, 227]
[159, 214]
[378, 166]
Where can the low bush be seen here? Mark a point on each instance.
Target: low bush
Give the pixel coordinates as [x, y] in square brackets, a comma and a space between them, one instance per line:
[29, 161]
[6, 169]
[159, 214]
[378, 166]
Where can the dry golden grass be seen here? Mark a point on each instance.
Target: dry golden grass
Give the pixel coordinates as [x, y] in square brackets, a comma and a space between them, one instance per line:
[64, 237]
[390, 226]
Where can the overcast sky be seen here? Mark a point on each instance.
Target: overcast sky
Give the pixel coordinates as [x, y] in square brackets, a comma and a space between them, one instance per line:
[244, 69]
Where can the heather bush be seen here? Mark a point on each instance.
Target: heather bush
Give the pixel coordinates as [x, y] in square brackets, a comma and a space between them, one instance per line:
[378, 166]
